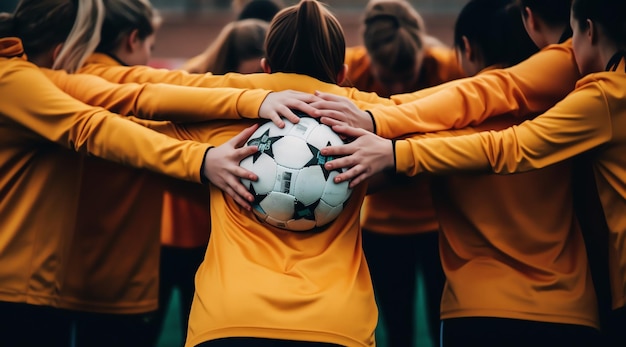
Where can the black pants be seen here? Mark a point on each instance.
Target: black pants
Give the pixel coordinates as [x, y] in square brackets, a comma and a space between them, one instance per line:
[393, 261]
[24, 325]
[499, 332]
[105, 330]
[615, 331]
[257, 342]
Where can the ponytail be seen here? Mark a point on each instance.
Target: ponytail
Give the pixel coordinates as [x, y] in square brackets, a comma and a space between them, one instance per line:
[306, 39]
[393, 34]
[84, 37]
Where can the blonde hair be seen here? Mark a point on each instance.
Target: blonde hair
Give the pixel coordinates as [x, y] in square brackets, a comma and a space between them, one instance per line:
[394, 33]
[238, 41]
[84, 37]
[43, 25]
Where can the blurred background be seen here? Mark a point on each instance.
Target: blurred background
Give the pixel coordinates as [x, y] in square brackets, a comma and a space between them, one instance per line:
[190, 25]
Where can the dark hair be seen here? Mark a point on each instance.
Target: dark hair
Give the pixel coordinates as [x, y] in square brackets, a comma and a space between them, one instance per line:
[553, 12]
[7, 25]
[306, 39]
[494, 28]
[607, 14]
[238, 41]
[124, 16]
[260, 9]
[393, 34]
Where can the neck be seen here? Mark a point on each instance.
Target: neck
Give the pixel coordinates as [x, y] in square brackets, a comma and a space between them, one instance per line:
[606, 53]
[554, 35]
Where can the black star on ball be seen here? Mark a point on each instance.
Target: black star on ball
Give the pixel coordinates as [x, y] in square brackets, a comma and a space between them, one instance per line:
[302, 211]
[264, 143]
[319, 159]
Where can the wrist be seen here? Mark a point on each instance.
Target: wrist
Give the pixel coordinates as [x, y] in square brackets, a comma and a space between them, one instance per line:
[373, 122]
[204, 179]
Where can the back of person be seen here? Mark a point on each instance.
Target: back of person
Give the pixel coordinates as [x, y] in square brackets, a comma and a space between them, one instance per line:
[511, 247]
[263, 285]
[399, 221]
[186, 222]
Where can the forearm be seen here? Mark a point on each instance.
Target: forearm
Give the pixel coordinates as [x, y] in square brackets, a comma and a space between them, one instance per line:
[57, 117]
[161, 101]
[530, 87]
[574, 126]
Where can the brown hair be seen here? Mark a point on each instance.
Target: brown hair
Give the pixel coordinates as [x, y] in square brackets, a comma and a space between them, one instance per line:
[42, 25]
[393, 34]
[124, 16]
[238, 41]
[306, 39]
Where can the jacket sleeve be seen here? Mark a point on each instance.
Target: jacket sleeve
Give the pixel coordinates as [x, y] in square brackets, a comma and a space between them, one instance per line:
[146, 74]
[36, 104]
[530, 87]
[579, 123]
[161, 101]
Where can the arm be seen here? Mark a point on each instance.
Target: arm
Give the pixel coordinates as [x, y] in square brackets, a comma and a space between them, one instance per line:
[178, 103]
[38, 105]
[57, 117]
[532, 86]
[580, 122]
[146, 74]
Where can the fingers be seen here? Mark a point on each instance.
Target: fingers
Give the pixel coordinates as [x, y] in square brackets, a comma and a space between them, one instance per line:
[241, 138]
[350, 131]
[331, 121]
[330, 114]
[301, 106]
[339, 163]
[355, 175]
[241, 201]
[328, 96]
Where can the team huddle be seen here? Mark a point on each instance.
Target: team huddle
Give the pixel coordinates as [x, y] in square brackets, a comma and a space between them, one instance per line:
[292, 187]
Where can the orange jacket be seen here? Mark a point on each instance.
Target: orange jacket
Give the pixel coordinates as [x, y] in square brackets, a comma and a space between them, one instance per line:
[592, 116]
[406, 207]
[511, 246]
[529, 87]
[439, 65]
[261, 281]
[40, 172]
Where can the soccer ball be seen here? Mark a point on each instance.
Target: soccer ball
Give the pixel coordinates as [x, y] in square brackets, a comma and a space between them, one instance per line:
[294, 190]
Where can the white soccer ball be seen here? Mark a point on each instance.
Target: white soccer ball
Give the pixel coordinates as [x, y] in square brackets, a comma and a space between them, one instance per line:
[294, 190]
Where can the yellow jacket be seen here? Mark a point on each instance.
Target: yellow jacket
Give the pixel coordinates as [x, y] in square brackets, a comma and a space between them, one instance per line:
[100, 65]
[40, 171]
[592, 116]
[261, 281]
[529, 87]
[401, 208]
[511, 246]
[439, 65]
